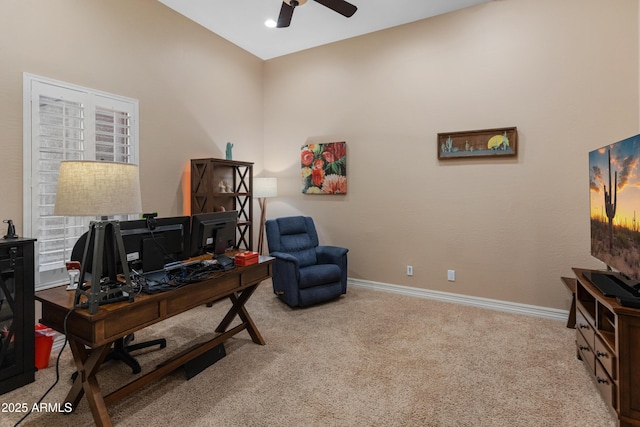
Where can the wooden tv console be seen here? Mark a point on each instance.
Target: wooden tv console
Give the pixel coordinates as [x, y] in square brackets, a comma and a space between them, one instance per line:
[608, 342]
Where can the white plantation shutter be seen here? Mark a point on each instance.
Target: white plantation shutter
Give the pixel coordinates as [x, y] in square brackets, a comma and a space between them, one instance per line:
[67, 122]
[59, 129]
[113, 128]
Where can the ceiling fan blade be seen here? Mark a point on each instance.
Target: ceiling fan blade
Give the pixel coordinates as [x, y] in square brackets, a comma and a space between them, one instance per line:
[286, 12]
[342, 7]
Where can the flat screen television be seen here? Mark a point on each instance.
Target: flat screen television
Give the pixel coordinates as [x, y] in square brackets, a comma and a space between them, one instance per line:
[151, 244]
[213, 232]
[614, 200]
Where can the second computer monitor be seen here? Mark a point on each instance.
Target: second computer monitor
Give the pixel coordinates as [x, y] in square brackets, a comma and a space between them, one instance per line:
[213, 232]
[149, 245]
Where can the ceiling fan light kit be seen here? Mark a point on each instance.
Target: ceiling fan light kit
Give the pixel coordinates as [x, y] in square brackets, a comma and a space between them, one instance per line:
[286, 11]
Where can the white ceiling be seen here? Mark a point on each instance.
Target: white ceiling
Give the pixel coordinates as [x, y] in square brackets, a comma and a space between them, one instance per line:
[242, 21]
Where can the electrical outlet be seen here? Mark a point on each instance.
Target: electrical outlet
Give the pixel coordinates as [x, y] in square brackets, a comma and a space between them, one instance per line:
[409, 270]
[451, 275]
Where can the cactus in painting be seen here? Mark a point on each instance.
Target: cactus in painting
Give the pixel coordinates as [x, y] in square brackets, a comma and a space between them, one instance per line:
[610, 207]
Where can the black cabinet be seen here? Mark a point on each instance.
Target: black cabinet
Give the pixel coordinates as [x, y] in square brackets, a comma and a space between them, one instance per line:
[17, 314]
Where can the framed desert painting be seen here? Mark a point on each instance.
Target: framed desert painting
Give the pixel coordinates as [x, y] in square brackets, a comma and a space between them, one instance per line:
[324, 168]
[498, 142]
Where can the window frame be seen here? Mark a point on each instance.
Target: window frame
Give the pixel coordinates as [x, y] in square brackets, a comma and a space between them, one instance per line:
[93, 100]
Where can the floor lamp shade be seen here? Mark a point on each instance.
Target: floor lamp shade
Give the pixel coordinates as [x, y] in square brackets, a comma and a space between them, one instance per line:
[265, 187]
[93, 188]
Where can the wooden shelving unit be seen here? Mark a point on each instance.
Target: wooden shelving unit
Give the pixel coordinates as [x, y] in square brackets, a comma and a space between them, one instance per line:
[207, 194]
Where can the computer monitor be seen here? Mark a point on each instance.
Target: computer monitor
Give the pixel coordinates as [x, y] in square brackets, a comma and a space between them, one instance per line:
[150, 244]
[213, 232]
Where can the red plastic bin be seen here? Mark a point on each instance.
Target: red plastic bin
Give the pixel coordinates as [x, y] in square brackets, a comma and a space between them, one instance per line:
[44, 342]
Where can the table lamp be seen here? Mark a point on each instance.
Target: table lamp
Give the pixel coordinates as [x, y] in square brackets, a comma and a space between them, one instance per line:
[263, 188]
[94, 188]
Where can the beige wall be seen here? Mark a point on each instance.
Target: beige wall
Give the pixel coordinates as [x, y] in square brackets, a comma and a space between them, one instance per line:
[196, 90]
[565, 72]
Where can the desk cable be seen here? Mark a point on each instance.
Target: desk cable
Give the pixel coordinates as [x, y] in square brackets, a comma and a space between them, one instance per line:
[66, 317]
[172, 281]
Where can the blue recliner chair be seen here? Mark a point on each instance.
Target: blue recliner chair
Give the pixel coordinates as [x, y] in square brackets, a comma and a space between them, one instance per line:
[304, 273]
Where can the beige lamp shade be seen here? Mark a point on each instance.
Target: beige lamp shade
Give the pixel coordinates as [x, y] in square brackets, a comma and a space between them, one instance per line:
[265, 187]
[93, 188]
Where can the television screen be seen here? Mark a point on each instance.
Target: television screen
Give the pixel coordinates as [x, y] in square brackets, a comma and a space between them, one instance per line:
[614, 194]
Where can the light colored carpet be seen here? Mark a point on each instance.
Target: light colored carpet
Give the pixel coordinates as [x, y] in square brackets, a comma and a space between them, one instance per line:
[367, 359]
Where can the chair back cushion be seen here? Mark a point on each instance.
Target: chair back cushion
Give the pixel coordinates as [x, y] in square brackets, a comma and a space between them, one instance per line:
[295, 235]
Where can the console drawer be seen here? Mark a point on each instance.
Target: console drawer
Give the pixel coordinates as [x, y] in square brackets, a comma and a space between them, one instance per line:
[586, 328]
[606, 387]
[606, 357]
[585, 352]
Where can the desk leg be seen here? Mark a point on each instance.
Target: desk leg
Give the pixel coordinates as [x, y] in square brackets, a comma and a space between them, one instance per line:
[87, 364]
[238, 309]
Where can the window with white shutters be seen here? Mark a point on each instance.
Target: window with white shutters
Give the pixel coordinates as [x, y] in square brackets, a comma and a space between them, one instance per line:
[67, 122]
[113, 135]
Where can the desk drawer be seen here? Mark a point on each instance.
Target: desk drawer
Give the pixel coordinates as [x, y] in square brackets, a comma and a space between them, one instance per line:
[143, 314]
[256, 274]
[606, 357]
[585, 352]
[201, 293]
[586, 328]
[606, 387]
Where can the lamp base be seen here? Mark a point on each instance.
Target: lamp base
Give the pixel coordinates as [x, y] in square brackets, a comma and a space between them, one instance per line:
[103, 295]
[103, 235]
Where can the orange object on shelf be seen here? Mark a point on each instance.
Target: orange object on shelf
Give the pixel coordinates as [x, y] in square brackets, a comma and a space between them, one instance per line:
[246, 258]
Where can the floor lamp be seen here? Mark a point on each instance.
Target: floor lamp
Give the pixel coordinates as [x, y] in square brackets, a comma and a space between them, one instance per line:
[100, 189]
[262, 189]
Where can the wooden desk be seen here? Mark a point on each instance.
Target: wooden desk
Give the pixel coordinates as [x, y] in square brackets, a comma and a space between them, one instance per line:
[91, 336]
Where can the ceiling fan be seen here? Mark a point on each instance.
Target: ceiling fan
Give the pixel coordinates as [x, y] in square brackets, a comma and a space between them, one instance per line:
[286, 11]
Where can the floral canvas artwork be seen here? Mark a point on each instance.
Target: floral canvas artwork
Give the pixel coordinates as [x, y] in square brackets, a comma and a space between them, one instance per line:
[324, 168]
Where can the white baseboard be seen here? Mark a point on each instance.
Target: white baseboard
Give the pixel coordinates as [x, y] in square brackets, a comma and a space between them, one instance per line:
[491, 304]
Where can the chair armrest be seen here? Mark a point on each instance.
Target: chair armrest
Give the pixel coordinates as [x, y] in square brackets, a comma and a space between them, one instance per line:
[330, 254]
[286, 276]
[286, 268]
[334, 255]
[283, 256]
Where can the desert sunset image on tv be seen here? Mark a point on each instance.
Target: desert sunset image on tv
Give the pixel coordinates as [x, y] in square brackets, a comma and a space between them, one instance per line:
[614, 193]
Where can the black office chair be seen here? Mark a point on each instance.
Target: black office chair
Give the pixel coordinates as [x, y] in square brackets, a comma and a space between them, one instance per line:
[122, 347]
